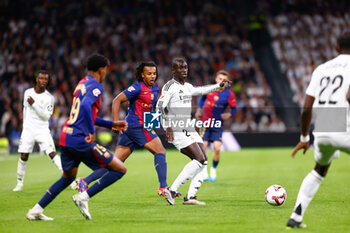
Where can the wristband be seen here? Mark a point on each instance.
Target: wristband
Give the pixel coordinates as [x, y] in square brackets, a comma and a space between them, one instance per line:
[304, 138]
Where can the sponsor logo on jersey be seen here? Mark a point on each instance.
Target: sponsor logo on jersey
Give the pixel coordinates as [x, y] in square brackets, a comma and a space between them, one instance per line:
[96, 92]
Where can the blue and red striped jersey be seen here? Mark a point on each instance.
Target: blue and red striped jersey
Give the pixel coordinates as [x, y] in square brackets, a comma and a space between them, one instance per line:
[141, 99]
[215, 103]
[83, 114]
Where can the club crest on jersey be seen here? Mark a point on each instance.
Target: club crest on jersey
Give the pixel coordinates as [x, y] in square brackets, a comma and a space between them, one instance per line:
[216, 98]
[130, 89]
[96, 92]
[152, 96]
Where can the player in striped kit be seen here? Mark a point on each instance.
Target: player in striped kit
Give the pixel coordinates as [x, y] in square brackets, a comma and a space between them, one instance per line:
[142, 97]
[77, 142]
[212, 106]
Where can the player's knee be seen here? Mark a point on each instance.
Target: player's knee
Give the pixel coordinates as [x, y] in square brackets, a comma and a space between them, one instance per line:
[123, 168]
[24, 157]
[202, 160]
[321, 170]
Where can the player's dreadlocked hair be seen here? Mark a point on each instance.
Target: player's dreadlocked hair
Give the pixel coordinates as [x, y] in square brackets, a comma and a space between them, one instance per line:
[344, 40]
[96, 61]
[139, 69]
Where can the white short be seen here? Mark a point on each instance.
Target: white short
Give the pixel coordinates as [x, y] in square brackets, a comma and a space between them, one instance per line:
[184, 139]
[41, 136]
[328, 147]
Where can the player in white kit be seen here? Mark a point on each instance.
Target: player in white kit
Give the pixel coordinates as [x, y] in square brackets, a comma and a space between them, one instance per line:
[328, 97]
[38, 106]
[175, 104]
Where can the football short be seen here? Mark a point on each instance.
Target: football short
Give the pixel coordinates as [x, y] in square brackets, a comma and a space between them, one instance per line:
[212, 134]
[41, 136]
[136, 137]
[185, 138]
[95, 156]
[328, 147]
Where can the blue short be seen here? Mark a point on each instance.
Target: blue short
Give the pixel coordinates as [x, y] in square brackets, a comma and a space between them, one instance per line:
[136, 137]
[95, 156]
[212, 134]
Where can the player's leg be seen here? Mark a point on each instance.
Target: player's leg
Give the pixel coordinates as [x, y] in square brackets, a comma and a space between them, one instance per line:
[70, 169]
[205, 171]
[156, 148]
[311, 183]
[55, 159]
[195, 153]
[99, 156]
[46, 144]
[25, 148]
[21, 170]
[216, 159]
[122, 152]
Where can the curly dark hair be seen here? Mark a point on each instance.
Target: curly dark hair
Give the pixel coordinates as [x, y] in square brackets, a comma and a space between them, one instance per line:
[139, 69]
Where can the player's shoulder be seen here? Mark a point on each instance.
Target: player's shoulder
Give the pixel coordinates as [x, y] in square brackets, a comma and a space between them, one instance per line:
[155, 87]
[48, 94]
[29, 90]
[187, 84]
[170, 85]
[134, 87]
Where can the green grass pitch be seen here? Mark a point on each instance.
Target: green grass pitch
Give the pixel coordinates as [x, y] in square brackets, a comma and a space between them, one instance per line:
[235, 202]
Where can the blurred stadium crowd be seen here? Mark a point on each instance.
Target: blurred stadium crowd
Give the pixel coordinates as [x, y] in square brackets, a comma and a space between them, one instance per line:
[211, 35]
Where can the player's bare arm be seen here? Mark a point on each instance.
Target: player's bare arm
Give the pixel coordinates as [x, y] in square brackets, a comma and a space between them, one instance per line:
[119, 126]
[169, 134]
[117, 101]
[198, 114]
[225, 116]
[348, 95]
[305, 125]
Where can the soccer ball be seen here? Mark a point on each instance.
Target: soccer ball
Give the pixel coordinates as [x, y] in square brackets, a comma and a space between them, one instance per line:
[275, 195]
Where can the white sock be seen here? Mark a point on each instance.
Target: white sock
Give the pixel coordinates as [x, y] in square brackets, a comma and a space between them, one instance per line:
[37, 208]
[205, 171]
[21, 170]
[187, 173]
[197, 181]
[85, 195]
[307, 191]
[57, 161]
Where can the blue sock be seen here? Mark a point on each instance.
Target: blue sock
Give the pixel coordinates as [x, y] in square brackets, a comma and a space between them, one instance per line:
[107, 179]
[54, 190]
[97, 174]
[161, 168]
[215, 163]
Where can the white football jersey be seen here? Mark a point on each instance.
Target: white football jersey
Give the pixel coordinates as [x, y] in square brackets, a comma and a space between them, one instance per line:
[37, 116]
[329, 85]
[175, 102]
